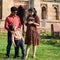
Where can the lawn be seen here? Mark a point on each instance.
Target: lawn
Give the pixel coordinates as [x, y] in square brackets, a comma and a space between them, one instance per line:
[44, 51]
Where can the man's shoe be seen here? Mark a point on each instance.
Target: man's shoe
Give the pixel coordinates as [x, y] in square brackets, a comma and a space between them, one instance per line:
[18, 56]
[6, 56]
[14, 56]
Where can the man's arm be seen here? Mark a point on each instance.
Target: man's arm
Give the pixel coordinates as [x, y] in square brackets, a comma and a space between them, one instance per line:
[6, 26]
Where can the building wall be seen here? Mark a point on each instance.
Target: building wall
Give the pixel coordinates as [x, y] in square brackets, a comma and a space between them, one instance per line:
[50, 13]
[6, 5]
[6, 8]
[38, 4]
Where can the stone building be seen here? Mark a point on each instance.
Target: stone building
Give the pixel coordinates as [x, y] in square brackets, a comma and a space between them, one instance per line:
[47, 10]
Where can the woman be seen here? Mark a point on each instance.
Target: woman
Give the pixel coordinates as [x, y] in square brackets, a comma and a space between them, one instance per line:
[31, 32]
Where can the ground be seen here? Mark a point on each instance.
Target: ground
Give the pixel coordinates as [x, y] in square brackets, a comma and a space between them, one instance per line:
[44, 51]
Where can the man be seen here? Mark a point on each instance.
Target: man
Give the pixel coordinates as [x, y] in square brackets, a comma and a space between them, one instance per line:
[14, 20]
[21, 14]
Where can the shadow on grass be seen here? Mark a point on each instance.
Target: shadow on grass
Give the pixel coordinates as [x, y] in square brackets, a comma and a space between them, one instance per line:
[2, 57]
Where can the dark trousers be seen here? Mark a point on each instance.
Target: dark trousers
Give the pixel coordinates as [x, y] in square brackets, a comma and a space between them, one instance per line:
[9, 43]
[19, 43]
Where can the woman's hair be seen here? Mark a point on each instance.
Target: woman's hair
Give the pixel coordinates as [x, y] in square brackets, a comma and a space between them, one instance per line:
[33, 10]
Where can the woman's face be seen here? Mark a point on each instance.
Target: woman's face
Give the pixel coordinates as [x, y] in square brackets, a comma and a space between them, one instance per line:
[30, 13]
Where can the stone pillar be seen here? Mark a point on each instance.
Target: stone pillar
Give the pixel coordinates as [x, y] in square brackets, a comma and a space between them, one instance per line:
[37, 6]
[31, 3]
[6, 8]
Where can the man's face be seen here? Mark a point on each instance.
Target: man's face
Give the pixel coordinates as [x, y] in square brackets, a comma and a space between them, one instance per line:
[14, 12]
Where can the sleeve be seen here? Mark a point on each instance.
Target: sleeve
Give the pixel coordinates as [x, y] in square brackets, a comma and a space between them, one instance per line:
[37, 20]
[6, 26]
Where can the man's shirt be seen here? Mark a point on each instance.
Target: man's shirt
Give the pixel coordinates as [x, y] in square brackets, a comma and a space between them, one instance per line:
[14, 20]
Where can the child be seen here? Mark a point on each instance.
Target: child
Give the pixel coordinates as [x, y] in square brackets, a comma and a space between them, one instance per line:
[17, 40]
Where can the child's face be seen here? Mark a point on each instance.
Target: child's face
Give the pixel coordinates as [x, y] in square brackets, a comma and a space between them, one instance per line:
[31, 13]
[14, 28]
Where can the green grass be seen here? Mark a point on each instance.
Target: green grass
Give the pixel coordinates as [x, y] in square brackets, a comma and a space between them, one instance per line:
[44, 51]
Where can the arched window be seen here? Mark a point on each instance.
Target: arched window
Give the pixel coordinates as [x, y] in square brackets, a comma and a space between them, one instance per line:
[56, 14]
[44, 12]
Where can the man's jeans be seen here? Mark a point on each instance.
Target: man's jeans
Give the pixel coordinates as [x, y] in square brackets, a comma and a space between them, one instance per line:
[9, 43]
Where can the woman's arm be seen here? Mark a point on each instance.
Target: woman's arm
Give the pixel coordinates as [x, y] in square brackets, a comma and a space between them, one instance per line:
[37, 21]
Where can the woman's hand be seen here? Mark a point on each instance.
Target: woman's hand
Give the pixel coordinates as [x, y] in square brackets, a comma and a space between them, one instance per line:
[36, 24]
[30, 22]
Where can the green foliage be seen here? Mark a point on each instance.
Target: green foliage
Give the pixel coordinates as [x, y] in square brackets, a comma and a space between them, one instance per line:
[46, 33]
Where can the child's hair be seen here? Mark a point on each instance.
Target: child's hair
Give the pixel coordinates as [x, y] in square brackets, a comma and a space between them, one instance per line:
[11, 27]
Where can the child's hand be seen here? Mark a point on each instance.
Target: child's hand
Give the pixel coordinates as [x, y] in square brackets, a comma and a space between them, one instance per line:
[12, 32]
[14, 44]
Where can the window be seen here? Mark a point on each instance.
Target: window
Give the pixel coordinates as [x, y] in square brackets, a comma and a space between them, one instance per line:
[44, 12]
[56, 14]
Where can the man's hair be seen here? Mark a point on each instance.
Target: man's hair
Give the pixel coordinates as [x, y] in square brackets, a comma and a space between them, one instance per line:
[11, 27]
[21, 13]
[13, 9]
